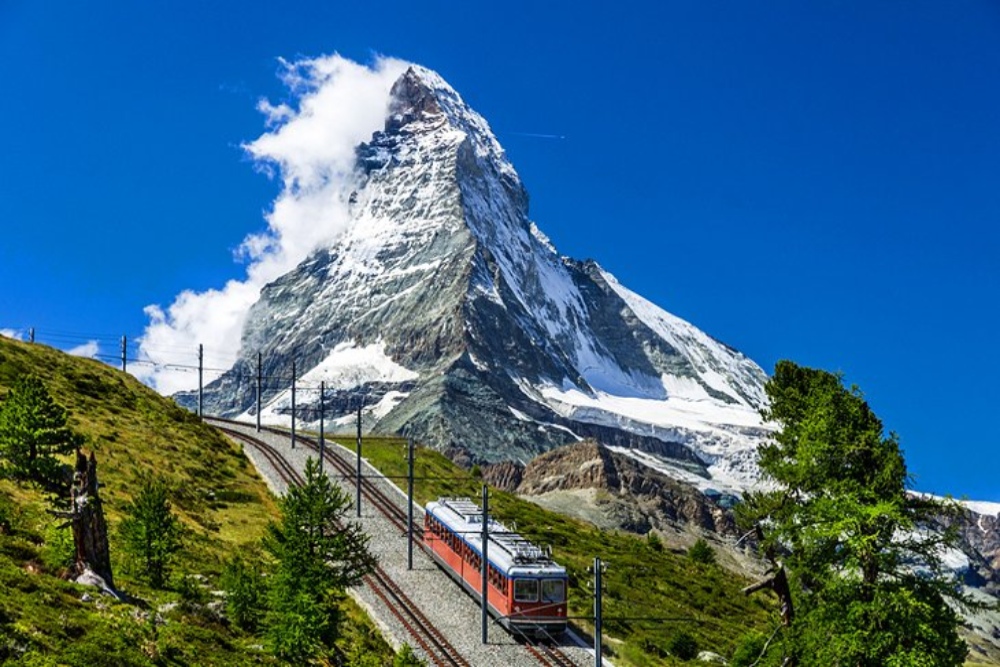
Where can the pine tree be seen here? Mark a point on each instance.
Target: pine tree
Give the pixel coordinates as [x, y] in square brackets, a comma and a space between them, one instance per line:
[151, 533]
[33, 432]
[701, 552]
[857, 565]
[318, 555]
[243, 583]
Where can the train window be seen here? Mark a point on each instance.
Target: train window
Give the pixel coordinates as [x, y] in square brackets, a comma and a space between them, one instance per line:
[526, 590]
[553, 590]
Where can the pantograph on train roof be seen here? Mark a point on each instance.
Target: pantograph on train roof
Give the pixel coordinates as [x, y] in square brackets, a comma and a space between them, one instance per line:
[521, 550]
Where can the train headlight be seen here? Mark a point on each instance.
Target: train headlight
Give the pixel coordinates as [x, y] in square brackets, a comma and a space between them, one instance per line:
[517, 608]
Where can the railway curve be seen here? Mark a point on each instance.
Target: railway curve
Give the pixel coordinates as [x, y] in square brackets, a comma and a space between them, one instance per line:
[444, 606]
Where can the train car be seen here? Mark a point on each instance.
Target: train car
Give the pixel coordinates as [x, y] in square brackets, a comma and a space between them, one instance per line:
[527, 590]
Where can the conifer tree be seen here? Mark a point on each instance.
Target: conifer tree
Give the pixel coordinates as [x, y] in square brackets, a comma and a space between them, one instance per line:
[33, 432]
[151, 533]
[243, 583]
[317, 555]
[857, 561]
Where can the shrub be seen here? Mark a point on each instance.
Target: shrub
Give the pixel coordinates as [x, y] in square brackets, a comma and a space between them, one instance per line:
[749, 650]
[701, 552]
[406, 658]
[8, 514]
[59, 550]
[683, 646]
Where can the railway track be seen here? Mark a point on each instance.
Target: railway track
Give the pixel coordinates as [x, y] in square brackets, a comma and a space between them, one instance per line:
[548, 655]
[545, 653]
[435, 645]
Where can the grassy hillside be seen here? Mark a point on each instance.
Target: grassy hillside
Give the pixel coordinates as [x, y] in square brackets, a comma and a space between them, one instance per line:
[222, 503]
[651, 594]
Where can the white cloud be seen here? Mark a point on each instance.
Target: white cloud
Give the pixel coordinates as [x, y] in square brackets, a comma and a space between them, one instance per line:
[90, 350]
[12, 333]
[310, 145]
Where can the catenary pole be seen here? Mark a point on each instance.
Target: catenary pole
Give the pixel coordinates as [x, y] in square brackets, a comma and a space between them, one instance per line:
[31, 335]
[322, 439]
[486, 560]
[409, 503]
[598, 613]
[201, 390]
[124, 348]
[293, 405]
[357, 500]
[260, 382]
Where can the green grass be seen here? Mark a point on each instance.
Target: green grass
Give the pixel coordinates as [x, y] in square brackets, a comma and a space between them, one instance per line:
[650, 594]
[221, 501]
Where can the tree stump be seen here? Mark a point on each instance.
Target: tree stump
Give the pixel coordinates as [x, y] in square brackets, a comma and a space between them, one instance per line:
[90, 530]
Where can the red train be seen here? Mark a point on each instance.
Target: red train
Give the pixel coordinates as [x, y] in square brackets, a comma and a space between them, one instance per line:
[527, 590]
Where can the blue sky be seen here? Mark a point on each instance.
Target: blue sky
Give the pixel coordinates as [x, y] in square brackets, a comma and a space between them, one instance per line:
[813, 181]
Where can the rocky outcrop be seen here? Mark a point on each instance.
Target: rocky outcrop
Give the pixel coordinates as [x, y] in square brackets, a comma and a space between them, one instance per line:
[506, 475]
[640, 498]
[979, 540]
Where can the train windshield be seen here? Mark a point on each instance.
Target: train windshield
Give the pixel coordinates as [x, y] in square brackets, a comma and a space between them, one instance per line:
[553, 590]
[526, 590]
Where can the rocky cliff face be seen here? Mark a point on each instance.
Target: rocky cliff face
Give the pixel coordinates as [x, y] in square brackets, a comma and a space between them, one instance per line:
[445, 314]
[629, 495]
[979, 541]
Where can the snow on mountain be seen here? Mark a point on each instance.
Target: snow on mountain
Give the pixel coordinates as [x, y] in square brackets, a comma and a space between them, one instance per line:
[447, 314]
[982, 507]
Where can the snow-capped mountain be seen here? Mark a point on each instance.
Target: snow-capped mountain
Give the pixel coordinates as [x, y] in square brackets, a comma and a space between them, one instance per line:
[449, 316]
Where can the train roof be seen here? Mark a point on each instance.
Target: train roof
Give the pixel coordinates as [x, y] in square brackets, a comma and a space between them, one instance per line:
[507, 548]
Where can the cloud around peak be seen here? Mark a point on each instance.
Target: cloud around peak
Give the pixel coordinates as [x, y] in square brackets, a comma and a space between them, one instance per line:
[335, 104]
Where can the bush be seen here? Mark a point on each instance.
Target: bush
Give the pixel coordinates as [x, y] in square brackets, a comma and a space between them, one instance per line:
[406, 658]
[683, 646]
[8, 514]
[749, 650]
[59, 550]
[700, 552]
[654, 541]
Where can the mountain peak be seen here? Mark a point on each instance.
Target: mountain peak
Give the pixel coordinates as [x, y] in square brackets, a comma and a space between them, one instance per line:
[460, 323]
[412, 98]
[422, 101]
